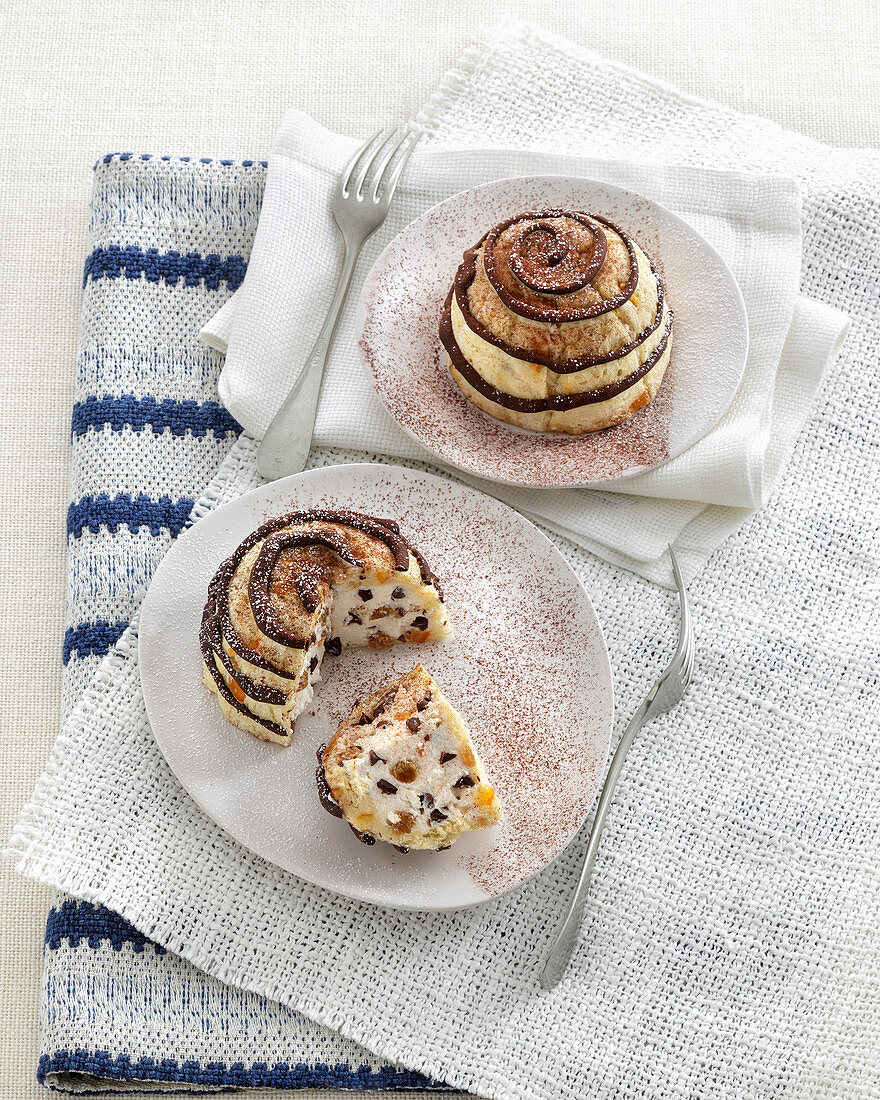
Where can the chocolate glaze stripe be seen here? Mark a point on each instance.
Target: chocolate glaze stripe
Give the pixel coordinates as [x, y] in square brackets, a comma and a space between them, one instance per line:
[326, 798]
[224, 690]
[549, 313]
[466, 274]
[560, 273]
[260, 581]
[217, 626]
[557, 403]
[427, 576]
[261, 693]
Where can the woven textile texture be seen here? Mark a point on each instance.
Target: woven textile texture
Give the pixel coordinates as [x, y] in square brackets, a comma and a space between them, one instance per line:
[731, 946]
[692, 502]
[148, 433]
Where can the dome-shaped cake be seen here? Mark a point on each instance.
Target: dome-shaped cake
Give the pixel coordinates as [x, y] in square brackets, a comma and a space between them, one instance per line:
[297, 586]
[557, 321]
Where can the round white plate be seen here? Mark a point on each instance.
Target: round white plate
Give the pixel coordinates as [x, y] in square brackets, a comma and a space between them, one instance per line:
[399, 314]
[527, 667]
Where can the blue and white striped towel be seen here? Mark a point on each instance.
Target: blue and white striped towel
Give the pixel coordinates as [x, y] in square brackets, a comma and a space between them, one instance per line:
[168, 242]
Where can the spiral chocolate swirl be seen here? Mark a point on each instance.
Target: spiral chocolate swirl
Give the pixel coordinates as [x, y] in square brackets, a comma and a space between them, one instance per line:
[576, 312]
[283, 602]
[546, 258]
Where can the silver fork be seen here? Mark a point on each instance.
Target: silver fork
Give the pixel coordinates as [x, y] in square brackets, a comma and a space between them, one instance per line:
[360, 205]
[663, 696]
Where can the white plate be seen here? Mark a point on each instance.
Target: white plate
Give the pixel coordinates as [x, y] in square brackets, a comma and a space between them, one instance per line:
[399, 314]
[527, 667]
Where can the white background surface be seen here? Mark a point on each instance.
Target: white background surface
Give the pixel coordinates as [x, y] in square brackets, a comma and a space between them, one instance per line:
[212, 77]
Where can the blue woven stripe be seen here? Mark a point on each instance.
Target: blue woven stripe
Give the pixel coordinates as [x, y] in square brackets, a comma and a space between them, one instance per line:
[142, 412]
[125, 511]
[90, 639]
[169, 267]
[185, 160]
[81, 921]
[283, 1075]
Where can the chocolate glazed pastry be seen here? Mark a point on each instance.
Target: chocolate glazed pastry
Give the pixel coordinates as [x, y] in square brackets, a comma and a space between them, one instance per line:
[301, 585]
[557, 321]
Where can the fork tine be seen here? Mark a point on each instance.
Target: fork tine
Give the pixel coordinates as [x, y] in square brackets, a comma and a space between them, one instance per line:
[358, 184]
[352, 164]
[380, 171]
[391, 185]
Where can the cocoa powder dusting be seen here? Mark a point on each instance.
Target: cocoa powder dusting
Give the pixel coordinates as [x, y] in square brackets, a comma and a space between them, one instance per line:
[526, 669]
[399, 340]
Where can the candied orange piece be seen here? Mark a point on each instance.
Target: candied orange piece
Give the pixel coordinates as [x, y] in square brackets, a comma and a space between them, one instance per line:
[483, 796]
[381, 612]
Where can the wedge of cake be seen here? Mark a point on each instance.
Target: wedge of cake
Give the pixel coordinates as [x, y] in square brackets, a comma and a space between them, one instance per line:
[300, 586]
[402, 768]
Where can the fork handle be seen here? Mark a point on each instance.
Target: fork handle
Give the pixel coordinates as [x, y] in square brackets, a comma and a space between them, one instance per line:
[286, 444]
[561, 948]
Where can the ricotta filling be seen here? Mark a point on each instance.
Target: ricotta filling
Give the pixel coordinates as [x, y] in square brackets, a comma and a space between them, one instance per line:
[360, 611]
[418, 780]
[356, 613]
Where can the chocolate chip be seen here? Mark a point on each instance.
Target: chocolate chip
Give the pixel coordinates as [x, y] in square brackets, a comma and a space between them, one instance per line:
[420, 622]
[445, 757]
[313, 664]
[400, 848]
[464, 781]
[366, 594]
[438, 815]
[427, 799]
[413, 723]
[387, 787]
[444, 847]
[398, 593]
[375, 757]
[334, 647]
[422, 703]
[364, 720]
[353, 618]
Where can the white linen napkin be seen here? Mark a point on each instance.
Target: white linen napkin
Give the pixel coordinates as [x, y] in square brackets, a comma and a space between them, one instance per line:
[693, 501]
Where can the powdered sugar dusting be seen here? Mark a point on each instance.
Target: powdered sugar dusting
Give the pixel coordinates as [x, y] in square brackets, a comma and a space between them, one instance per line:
[401, 305]
[527, 669]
